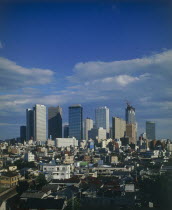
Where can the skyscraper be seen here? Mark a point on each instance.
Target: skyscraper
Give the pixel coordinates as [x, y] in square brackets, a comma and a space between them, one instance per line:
[55, 122]
[39, 122]
[66, 131]
[130, 115]
[22, 133]
[88, 125]
[150, 130]
[102, 118]
[118, 128]
[29, 124]
[131, 133]
[75, 121]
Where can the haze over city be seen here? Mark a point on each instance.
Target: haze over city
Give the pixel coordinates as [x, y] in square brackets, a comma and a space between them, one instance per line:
[95, 54]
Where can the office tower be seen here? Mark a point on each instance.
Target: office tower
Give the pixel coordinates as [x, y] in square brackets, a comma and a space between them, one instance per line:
[29, 124]
[150, 130]
[131, 133]
[118, 127]
[102, 118]
[130, 115]
[66, 131]
[22, 133]
[75, 122]
[88, 125]
[39, 122]
[55, 122]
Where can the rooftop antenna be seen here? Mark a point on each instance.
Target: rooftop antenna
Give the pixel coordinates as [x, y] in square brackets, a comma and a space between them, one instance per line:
[127, 102]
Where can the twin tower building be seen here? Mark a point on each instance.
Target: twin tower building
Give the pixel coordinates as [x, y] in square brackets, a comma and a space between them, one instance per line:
[36, 126]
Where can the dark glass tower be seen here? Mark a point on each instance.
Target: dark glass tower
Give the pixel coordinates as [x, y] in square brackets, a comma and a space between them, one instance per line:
[22, 133]
[75, 122]
[150, 130]
[55, 122]
[29, 124]
[66, 131]
[130, 115]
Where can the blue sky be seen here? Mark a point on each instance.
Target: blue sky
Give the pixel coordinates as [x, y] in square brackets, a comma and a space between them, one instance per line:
[95, 53]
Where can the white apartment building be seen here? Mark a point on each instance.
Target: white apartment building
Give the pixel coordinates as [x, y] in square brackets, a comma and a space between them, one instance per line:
[66, 142]
[29, 157]
[56, 171]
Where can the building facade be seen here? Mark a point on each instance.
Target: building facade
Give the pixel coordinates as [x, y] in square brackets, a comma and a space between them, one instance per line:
[76, 121]
[55, 122]
[56, 171]
[66, 131]
[22, 133]
[97, 134]
[131, 133]
[29, 124]
[88, 125]
[66, 142]
[40, 122]
[118, 128]
[130, 115]
[150, 130]
[102, 118]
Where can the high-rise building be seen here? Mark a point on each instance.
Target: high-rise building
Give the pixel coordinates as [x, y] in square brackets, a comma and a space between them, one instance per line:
[55, 122]
[102, 118]
[118, 128]
[88, 125]
[66, 131]
[29, 124]
[130, 115]
[150, 130]
[22, 133]
[75, 122]
[131, 133]
[39, 122]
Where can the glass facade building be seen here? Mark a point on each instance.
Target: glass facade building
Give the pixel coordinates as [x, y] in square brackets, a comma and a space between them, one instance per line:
[55, 122]
[102, 118]
[29, 124]
[75, 121]
[130, 115]
[150, 130]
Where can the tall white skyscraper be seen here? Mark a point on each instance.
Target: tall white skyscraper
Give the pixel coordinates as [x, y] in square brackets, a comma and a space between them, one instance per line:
[39, 122]
[88, 125]
[102, 118]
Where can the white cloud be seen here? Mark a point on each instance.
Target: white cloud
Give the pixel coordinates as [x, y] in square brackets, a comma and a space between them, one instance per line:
[155, 64]
[14, 76]
[145, 82]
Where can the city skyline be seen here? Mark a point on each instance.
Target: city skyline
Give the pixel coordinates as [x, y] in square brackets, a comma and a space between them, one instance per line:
[63, 58]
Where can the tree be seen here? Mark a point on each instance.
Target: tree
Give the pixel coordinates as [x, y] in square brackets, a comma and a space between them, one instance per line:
[41, 181]
[22, 187]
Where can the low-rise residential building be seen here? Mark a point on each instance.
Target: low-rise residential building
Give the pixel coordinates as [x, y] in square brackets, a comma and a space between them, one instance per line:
[9, 179]
[29, 157]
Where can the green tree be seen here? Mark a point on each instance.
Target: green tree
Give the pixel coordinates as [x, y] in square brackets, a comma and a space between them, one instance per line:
[41, 181]
[22, 187]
